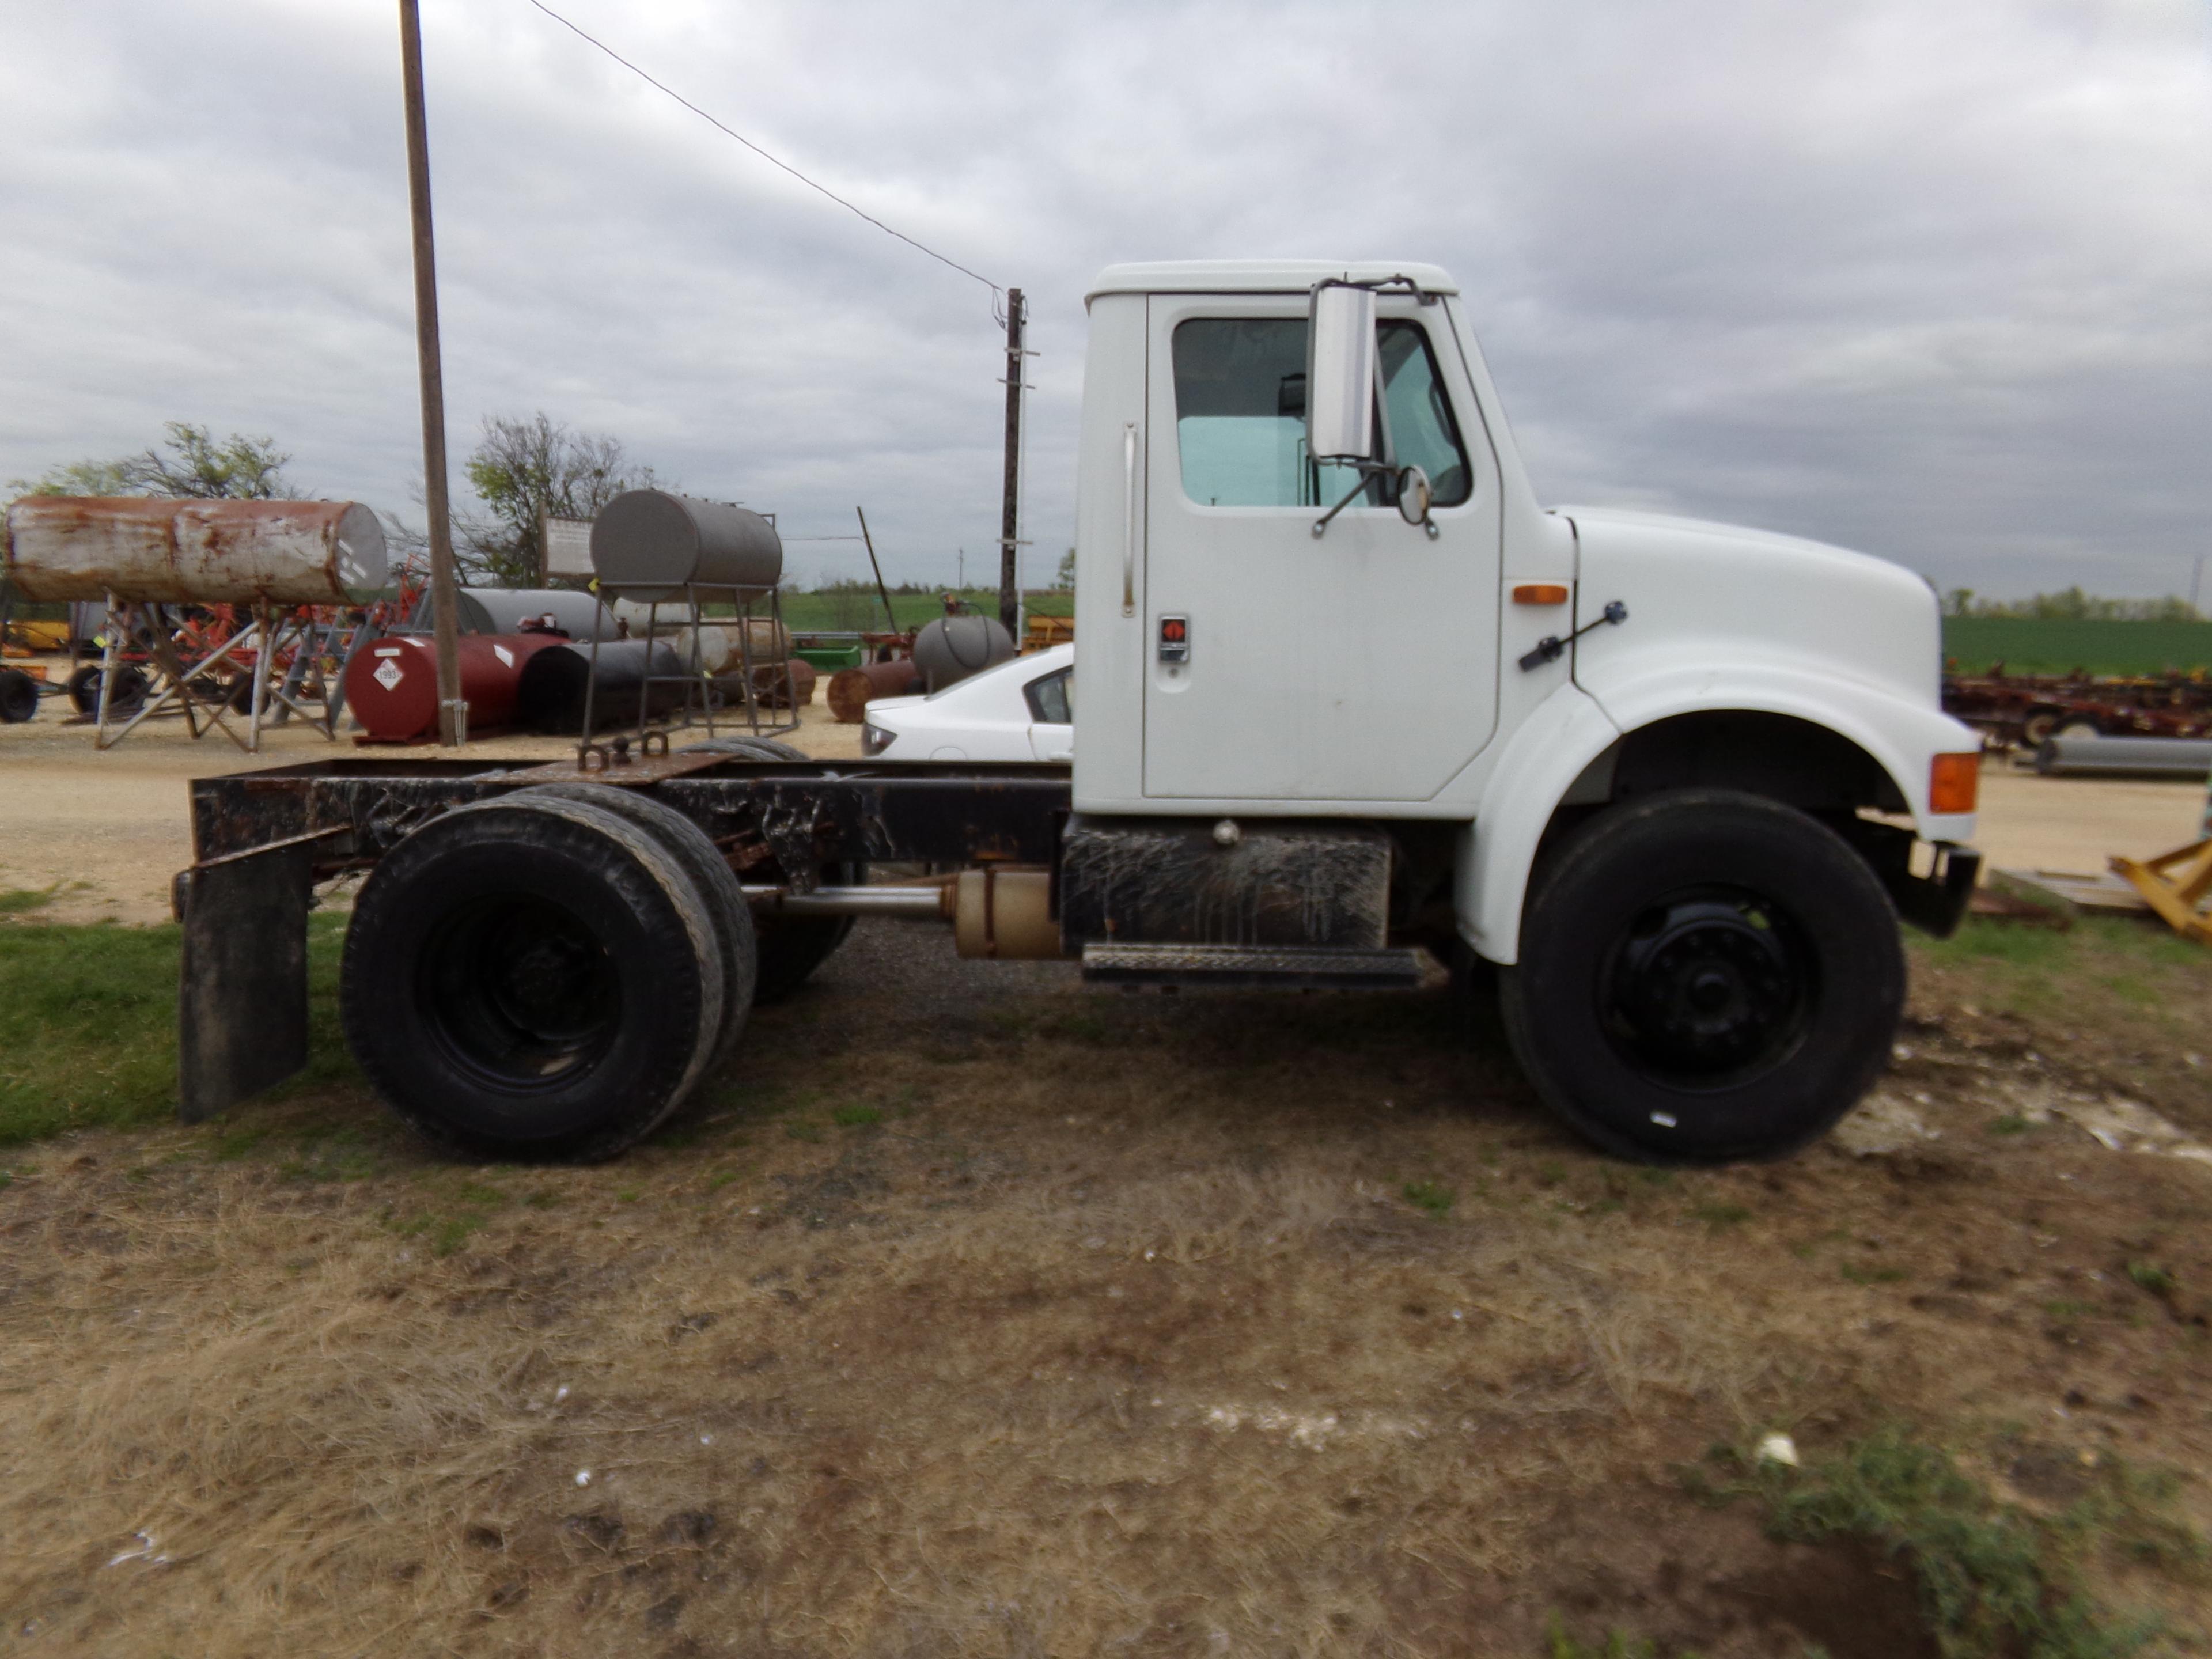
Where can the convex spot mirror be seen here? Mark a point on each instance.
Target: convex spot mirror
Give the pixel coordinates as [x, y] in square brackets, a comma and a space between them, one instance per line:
[1414, 497]
[1340, 374]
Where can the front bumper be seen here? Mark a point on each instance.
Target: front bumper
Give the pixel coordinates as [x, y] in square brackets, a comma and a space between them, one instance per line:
[1936, 902]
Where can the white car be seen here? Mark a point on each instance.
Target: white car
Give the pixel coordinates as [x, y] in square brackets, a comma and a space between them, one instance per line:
[1023, 710]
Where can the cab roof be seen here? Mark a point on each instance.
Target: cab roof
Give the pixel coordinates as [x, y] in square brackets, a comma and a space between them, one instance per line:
[1257, 276]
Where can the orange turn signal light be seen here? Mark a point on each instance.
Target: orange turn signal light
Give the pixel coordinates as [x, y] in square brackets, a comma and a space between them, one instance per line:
[1953, 781]
[1541, 594]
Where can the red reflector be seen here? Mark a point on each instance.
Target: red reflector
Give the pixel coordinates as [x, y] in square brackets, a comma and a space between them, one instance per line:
[1954, 782]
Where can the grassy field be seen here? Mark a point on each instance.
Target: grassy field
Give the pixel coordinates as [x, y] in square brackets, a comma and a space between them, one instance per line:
[852, 612]
[952, 1323]
[2037, 646]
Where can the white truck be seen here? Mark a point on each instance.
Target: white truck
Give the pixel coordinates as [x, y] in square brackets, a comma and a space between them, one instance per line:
[1348, 693]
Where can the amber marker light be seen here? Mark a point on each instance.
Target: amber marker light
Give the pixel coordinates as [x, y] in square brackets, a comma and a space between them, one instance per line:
[1541, 594]
[1953, 783]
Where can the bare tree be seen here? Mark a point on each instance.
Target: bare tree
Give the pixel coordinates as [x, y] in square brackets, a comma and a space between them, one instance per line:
[524, 471]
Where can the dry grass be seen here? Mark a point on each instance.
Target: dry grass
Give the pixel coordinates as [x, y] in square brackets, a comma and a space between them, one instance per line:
[1114, 1331]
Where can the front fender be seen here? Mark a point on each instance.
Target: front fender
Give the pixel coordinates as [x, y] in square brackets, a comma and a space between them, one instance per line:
[1903, 737]
[1573, 727]
[1566, 731]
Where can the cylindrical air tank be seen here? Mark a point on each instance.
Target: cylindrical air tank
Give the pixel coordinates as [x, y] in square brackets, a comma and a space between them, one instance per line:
[391, 684]
[152, 550]
[650, 543]
[949, 649]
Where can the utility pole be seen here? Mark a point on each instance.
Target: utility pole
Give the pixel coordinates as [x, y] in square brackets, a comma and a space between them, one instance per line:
[453, 713]
[890, 617]
[1010, 599]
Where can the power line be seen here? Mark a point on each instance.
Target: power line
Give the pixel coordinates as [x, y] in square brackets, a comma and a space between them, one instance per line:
[773, 160]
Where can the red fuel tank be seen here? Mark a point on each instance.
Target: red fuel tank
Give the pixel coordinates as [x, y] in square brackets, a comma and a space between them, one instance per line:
[392, 685]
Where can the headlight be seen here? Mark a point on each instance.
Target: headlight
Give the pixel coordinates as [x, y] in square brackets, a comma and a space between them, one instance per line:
[874, 739]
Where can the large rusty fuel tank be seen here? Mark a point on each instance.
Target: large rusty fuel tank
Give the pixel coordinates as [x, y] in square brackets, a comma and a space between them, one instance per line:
[155, 551]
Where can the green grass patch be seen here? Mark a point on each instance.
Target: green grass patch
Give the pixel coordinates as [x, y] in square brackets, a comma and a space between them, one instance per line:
[1431, 1195]
[1717, 1216]
[2149, 1276]
[2056, 645]
[1997, 1581]
[89, 1027]
[1857, 1275]
[19, 901]
[1618, 1644]
[802, 1130]
[857, 1117]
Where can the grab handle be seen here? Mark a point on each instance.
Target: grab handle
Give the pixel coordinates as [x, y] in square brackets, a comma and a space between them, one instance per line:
[1129, 519]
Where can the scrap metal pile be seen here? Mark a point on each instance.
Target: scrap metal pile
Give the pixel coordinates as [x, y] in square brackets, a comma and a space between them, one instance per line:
[2028, 710]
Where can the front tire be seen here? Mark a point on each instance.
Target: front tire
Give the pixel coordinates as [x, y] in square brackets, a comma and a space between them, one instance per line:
[532, 977]
[1706, 975]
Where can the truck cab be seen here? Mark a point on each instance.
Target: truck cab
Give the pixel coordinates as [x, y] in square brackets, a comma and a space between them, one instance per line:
[1352, 701]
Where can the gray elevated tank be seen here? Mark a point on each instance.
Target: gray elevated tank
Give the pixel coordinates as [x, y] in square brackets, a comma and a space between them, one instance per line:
[649, 544]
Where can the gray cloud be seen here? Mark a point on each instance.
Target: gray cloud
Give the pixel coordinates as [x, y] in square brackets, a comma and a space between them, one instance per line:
[1926, 280]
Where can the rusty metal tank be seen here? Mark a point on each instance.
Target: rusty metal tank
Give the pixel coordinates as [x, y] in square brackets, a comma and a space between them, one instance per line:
[157, 550]
[651, 543]
[392, 687]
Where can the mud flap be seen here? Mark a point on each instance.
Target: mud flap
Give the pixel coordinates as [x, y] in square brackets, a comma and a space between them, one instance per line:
[242, 987]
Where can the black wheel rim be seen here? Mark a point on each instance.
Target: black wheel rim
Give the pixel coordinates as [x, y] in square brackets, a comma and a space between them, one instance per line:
[520, 994]
[1708, 988]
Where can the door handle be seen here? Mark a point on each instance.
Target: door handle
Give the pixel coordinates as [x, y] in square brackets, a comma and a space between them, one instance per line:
[1129, 518]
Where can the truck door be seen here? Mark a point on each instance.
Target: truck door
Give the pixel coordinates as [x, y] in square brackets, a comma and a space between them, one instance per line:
[1358, 666]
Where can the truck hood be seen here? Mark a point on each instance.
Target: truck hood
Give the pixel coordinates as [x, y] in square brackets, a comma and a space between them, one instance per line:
[1728, 594]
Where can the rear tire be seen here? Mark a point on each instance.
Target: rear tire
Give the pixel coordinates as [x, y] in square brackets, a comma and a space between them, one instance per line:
[1706, 975]
[18, 696]
[129, 697]
[710, 873]
[532, 977]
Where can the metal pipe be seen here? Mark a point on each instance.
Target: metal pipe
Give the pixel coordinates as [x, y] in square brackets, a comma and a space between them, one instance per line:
[913, 904]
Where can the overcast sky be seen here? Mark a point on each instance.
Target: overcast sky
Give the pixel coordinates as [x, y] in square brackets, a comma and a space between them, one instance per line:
[1931, 280]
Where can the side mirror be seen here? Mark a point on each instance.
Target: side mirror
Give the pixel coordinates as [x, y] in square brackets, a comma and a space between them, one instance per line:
[1340, 374]
[1414, 497]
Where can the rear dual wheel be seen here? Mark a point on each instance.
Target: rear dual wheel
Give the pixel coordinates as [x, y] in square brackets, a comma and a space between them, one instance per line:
[1706, 975]
[545, 975]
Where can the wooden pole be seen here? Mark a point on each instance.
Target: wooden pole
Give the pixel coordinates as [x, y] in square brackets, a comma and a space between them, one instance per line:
[453, 713]
[1010, 599]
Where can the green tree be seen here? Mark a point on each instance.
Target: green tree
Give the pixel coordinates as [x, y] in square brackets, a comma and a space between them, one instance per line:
[191, 462]
[1065, 581]
[528, 470]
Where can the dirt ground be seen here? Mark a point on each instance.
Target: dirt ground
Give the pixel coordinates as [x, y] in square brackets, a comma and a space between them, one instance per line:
[110, 826]
[972, 1312]
[975, 1313]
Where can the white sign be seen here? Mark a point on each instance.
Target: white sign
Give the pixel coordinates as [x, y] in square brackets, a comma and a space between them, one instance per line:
[568, 547]
[387, 674]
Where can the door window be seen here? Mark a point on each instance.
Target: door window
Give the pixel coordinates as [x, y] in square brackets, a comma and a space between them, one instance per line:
[1239, 387]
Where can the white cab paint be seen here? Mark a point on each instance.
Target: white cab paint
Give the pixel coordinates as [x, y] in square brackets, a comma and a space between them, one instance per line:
[1374, 673]
[1358, 666]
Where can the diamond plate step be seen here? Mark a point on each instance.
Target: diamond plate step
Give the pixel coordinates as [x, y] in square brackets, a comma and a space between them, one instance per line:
[1272, 966]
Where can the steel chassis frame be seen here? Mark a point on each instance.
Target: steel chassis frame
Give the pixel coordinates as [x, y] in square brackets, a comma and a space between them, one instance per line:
[261, 842]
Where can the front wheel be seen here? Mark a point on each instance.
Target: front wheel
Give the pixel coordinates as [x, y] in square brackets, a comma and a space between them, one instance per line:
[1706, 975]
